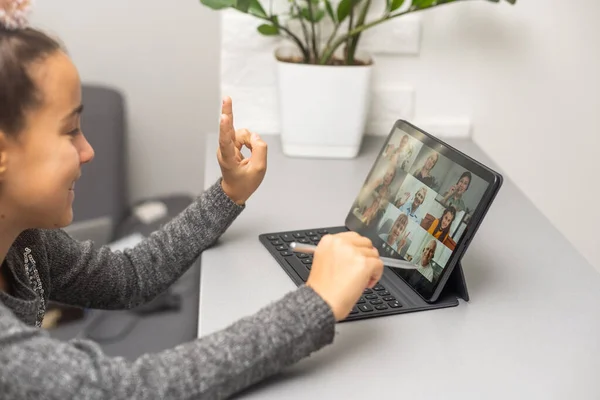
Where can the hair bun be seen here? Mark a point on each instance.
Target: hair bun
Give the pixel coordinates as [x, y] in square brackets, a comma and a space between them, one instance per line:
[14, 13]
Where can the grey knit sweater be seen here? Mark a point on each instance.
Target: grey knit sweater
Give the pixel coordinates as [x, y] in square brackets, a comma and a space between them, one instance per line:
[35, 366]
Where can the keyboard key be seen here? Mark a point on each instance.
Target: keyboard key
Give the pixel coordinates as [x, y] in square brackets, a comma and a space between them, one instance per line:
[309, 266]
[394, 304]
[302, 255]
[307, 261]
[281, 248]
[389, 298]
[315, 238]
[371, 296]
[276, 242]
[286, 253]
[378, 287]
[384, 293]
[272, 237]
[381, 307]
[361, 301]
[365, 307]
[311, 233]
[322, 231]
[298, 235]
[304, 240]
[298, 267]
[376, 302]
[367, 291]
[354, 311]
[286, 237]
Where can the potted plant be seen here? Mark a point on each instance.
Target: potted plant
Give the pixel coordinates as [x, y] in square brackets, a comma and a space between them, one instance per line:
[323, 79]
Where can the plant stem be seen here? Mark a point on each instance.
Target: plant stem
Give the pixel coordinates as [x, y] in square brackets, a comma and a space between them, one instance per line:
[348, 36]
[304, 29]
[335, 29]
[355, 38]
[293, 37]
[328, 53]
[312, 27]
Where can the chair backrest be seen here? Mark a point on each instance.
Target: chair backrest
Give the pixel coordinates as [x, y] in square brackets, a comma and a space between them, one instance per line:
[427, 221]
[101, 193]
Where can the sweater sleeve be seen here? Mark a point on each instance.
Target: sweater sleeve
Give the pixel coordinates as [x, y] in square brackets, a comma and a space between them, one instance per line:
[90, 277]
[213, 367]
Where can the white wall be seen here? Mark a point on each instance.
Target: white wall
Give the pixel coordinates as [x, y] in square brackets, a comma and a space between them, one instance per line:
[525, 76]
[532, 89]
[165, 60]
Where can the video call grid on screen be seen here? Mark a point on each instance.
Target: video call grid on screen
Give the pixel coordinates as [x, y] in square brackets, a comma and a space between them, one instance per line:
[418, 202]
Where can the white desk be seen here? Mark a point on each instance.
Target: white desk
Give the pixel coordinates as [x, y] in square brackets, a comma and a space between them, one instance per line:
[530, 331]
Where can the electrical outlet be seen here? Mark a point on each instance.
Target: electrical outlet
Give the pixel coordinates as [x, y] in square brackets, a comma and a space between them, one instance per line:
[397, 36]
[389, 104]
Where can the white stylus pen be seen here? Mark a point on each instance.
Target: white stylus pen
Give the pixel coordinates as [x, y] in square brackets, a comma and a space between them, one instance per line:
[388, 262]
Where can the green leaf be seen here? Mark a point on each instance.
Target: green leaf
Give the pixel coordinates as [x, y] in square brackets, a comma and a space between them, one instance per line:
[396, 4]
[317, 14]
[242, 5]
[218, 4]
[257, 9]
[344, 8]
[418, 4]
[329, 10]
[268, 30]
[512, 1]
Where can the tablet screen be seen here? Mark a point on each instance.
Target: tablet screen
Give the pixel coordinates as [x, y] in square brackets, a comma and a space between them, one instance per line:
[417, 202]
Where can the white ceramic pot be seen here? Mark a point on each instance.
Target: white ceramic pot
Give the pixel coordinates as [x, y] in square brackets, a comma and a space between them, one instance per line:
[322, 109]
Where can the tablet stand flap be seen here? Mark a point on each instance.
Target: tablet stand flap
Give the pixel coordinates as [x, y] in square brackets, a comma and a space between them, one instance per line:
[457, 284]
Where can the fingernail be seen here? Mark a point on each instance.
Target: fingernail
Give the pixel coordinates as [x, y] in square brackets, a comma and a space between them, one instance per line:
[254, 136]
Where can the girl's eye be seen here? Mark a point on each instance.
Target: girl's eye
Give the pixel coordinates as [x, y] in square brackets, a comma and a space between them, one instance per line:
[74, 132]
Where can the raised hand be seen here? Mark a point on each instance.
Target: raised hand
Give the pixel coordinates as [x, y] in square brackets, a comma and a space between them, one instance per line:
[241, 176]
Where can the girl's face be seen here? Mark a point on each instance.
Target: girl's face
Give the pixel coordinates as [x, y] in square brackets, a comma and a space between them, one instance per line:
[398, 228]
[447, 220]
[39, 166]
[463, 184]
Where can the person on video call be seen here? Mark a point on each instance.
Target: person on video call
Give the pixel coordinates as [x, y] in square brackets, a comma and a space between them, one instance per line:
[42, 153]
[424, 261]
[440, 227]
[397, 236]
[399, 155]
[412, 208]
[382, 186]
[371, 215]
[453, 197]
[424, 173]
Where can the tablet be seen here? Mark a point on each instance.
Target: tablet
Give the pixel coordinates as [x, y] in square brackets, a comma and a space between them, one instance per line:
[423, 201]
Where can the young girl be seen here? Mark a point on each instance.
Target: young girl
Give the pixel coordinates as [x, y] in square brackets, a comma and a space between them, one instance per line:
[398, 235]
[440, 228]
[42, 150]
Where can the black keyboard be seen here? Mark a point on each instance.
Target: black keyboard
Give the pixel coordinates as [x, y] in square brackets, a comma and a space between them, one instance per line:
[374, 302]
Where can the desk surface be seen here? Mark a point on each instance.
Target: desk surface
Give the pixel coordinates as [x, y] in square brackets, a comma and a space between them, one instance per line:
[531, 329]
